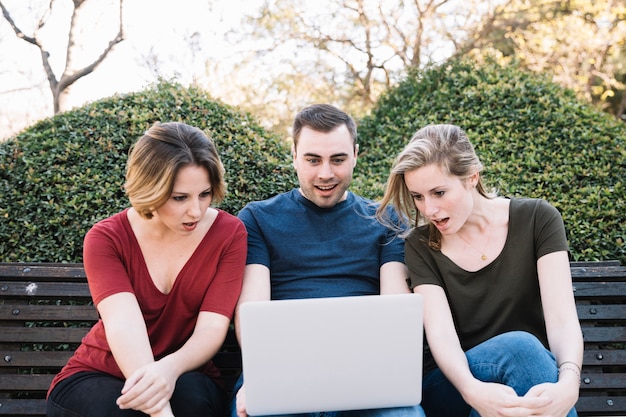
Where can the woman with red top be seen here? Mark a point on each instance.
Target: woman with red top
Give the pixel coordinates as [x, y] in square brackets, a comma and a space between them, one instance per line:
[165, 275]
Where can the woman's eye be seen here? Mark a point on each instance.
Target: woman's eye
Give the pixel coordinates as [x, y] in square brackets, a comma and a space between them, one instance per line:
[179, 198]
[206, 194]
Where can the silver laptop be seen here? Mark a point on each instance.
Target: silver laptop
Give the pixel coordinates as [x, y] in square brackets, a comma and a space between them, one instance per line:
[332, 354]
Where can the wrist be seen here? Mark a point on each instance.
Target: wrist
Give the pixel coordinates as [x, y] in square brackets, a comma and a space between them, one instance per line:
[569, 370]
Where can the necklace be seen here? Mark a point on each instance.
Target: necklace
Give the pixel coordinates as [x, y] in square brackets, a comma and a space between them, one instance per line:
[482, 253]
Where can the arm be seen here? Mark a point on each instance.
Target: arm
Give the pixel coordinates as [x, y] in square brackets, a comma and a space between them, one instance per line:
[393, 276]
[256, 287]
[150, 384]
[489, 399]
[127, 337]
[563, 329]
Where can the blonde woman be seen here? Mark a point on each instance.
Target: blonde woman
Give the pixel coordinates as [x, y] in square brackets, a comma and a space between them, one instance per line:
[165, 276]
[501, 325]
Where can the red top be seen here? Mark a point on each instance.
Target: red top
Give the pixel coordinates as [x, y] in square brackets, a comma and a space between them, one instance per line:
[210, 281]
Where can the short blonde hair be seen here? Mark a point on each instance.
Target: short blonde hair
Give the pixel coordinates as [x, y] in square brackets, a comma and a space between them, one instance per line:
[157, 157]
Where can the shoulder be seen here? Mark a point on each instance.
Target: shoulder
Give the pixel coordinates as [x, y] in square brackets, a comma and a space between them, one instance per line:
[418, 236]
[228, 219]
[271, 203]
[532, 206]
[111, 225]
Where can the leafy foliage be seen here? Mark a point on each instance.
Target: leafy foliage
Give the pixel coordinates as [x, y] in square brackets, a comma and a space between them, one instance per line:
[63, 174]
[534, 138]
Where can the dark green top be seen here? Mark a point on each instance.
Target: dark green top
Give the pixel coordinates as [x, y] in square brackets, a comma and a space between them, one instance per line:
[504, 295]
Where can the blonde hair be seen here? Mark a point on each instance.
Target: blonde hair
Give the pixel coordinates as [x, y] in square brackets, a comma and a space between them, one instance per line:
[157, 157]
[443, 144]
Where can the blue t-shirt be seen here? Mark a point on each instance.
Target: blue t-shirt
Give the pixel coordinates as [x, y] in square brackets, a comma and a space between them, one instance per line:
[314, 252]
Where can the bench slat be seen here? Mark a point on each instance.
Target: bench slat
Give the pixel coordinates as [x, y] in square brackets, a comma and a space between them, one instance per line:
[44, 289]
[32, 382]
[601, 405]
[601, 312]
[604, 334]
[36, 359]
[48, 312]
[11, 407]
[55, 271]
[604, 357]
[615, 290]
[602, 381]
[42, 334]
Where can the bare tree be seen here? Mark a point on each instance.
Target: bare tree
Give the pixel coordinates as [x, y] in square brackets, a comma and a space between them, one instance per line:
[581, 43]
[59, 86]
[346, 52]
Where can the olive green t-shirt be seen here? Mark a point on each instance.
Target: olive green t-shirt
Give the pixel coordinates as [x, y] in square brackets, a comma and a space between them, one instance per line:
[504, 295]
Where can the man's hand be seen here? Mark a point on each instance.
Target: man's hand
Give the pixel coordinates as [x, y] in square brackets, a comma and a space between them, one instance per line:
[241, 402]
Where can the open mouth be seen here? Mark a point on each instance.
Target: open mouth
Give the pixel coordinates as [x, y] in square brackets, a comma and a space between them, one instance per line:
[326, 187]
[439, 223]
[190, 226]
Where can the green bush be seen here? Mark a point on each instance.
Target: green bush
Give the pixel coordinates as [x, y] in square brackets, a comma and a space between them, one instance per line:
[534, 138]
[65, 173]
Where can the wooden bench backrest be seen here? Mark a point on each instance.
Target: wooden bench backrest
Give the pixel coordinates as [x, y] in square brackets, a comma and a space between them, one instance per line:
[600, 291]
[45, 310]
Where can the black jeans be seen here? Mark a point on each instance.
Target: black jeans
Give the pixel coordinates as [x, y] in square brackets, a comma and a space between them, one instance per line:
[93, 394]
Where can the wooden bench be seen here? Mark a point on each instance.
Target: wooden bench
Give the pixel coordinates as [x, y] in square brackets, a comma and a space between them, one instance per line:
[45, 310]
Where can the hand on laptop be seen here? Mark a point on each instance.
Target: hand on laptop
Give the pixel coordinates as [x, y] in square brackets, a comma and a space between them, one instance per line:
[241, 402]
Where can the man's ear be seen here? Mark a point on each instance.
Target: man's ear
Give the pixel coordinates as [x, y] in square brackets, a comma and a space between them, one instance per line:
[293, 155]
[356, 154]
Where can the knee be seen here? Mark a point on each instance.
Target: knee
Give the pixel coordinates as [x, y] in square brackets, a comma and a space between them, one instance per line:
[513, 348]
[196, 394]
[519, 341]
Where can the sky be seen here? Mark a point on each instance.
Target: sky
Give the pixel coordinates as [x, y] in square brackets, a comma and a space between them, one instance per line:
[183, 34]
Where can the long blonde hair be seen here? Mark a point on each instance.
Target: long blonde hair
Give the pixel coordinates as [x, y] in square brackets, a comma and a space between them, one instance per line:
[443, 144]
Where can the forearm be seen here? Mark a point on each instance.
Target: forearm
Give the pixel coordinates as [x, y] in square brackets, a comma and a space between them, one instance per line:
[126, 332]
[204, 343]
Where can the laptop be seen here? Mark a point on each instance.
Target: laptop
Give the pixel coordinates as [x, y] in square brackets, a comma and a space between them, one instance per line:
[332, 354]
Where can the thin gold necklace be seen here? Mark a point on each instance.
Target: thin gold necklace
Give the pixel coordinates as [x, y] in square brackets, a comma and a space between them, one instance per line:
[483, 253]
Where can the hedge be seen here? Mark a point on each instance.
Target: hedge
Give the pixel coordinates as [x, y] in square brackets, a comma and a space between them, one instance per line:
[534, 138]
[63, 174]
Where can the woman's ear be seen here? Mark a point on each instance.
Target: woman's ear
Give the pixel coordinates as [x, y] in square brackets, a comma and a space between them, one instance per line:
[473, 179]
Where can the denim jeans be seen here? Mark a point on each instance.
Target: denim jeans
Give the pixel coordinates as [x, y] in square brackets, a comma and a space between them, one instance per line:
[414, 411]
[517, 359]
[93, 394]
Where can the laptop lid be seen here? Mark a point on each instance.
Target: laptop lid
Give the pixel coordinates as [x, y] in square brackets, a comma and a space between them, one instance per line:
[332, 354]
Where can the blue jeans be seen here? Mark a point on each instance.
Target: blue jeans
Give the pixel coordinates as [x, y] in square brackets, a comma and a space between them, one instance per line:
[414, 411]
[93, 394]
[517, 359]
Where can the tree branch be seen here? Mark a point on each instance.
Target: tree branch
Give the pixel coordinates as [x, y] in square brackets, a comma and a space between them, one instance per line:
[18, 32]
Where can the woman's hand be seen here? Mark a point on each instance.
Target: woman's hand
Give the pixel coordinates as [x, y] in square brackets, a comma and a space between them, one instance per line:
[496, 400]
[149, 388]
[563, 396]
